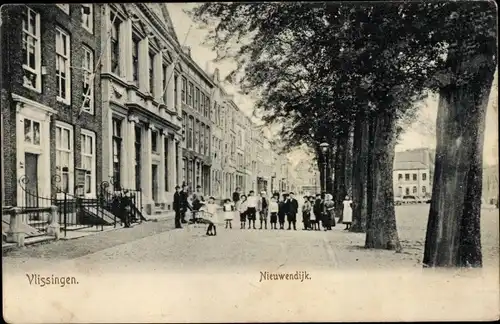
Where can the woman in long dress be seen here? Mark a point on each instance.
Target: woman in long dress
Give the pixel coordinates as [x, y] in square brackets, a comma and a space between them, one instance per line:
[347, 214]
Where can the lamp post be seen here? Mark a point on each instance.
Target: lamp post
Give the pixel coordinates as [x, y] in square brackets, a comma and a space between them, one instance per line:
[324, 149]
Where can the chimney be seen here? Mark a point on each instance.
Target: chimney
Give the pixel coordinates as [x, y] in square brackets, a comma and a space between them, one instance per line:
[217, 75]
[186, 50]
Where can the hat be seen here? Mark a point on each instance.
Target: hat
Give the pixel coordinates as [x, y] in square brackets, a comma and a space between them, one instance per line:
[262, 192]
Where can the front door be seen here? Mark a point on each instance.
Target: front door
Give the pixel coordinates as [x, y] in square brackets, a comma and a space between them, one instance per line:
[31, 183]
[154, 183]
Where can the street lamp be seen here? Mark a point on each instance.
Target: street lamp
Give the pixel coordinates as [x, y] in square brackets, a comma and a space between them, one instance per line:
[324, 149]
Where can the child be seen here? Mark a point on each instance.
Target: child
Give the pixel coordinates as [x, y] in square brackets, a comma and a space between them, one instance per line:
[273, 210]
[282, 212]
[306, 213]
[228, 212]
[313, 220]
[241, 207]
[347, 213]
[210, 210]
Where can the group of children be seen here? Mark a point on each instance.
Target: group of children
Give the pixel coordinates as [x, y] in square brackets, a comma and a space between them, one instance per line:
[316, 212]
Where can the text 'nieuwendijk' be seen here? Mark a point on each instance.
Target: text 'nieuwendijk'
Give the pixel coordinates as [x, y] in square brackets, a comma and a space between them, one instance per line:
[297, 275]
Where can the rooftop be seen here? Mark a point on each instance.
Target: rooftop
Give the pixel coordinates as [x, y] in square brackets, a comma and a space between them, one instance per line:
[409, 165]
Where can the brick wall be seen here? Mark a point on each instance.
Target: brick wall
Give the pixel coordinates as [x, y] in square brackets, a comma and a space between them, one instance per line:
[12, 76]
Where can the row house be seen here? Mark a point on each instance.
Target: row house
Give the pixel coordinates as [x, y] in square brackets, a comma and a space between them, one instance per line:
[197, 89]
[240, 150]
[141, 78]
[217, 142]
[229, 152]
[247, 127]
[50, 97]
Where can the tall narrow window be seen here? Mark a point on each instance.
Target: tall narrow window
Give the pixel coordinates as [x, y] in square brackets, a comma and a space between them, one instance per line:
[196, 136]
[64, 156]
[202, 102]
[190, 95]
[88, 84]
[184, 129]
[184, 90]
[138, 154]
[31, 132]
[424, 176]
[115, 48]
[407, 177]
[208, 109]
[151, 72]
[88, 161]
[197, 100]
[175, 92]
[190, 132]
[414, 189]
[414, 177]
[31, 50]
[165, 161]
[164, 83]
[63, 76]
[424, 189]
[184, 171]
[135, 60]
[202, 136]
[117, 146]
[154, 141]
[88, 17]
[207, 141]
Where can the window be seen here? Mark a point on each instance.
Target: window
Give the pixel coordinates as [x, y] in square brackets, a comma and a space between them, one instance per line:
[196, 136]
[64, 156]
[88, 17]
[151, 72]
[138, 154]
[184, 171]
[115, 48]
[414, 189]
[424, 189]
[87, 139]
[165, 161]
[190, 95]
[184, 129]
[190, 132]
[197, 100]
[117, 146]
[88, 84]
[414, 177]
[175, 92]
[202, 138]
[407, 177]
[184, 90]
[164, 83]
[64, 7]
[207, 107]
[154, 141]
[31, 50]
[31, 132]
[63, 75]
[202, 101]
[400, 176]
[424, 176]
[135, 60]
[207, 141]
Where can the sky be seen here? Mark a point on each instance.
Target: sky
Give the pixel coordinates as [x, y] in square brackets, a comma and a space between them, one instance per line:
[421, 134]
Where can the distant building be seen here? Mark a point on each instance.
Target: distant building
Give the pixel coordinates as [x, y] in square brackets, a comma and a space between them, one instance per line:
[490, 184]
[307, 178]
[413, 172]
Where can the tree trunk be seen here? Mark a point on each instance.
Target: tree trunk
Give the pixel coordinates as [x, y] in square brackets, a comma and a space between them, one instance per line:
[453, 236]
[340, 175]
[359, 174]
[381, 231]
[348, 164]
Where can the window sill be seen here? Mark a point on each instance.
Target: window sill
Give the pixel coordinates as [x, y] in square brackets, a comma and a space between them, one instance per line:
[90, 30]
[37, 90]
[89, 112]
[64, 101]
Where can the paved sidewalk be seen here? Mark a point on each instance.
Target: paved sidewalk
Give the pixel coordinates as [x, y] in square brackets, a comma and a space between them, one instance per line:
[69, 249]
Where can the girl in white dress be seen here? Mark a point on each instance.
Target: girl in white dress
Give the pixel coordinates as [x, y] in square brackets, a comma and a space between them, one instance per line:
[210, 216]
[228, 212]
[347, 214]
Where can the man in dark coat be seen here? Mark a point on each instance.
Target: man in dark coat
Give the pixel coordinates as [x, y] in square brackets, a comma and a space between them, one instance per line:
[318, 209]
[184, 203]
[236, 195]
[292, 206]
[177, 207]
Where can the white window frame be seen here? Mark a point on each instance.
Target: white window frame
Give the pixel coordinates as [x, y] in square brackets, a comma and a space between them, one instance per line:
[31, 143]
[67, 57]
[89, 135]
[64, 7]
[88, 71]
[90, 26]
[71, 158]
[38, 57]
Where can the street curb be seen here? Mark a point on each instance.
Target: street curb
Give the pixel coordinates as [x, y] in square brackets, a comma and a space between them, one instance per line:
[97, 232]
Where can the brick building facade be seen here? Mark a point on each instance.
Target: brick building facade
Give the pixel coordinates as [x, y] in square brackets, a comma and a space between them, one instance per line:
[49, 54]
